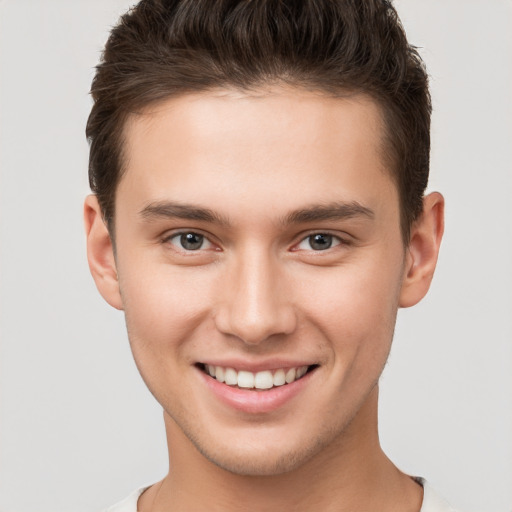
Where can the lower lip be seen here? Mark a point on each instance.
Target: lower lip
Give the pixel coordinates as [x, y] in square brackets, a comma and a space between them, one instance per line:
[255, 401]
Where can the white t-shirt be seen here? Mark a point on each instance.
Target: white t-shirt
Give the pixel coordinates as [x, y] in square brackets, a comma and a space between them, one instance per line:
[432, 502]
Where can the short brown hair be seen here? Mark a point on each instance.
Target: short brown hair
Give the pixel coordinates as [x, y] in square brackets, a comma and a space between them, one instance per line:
[164, 48]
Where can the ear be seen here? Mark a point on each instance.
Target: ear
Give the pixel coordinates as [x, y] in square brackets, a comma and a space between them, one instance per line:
[423, 249]
[100, 253]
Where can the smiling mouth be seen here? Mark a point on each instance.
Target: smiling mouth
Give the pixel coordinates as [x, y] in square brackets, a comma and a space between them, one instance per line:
[262, 380]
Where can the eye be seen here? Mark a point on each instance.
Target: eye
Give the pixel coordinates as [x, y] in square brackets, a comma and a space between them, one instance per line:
[318, 242]
[190, 241]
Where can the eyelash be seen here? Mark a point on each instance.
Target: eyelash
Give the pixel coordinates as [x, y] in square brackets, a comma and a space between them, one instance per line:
[333, 241]
[181, 237]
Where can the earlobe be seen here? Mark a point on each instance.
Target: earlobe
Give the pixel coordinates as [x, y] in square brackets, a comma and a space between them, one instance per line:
[423, 250]
[100, 253]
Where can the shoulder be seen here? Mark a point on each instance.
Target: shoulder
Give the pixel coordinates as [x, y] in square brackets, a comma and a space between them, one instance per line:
[432, 502]
[129, 504]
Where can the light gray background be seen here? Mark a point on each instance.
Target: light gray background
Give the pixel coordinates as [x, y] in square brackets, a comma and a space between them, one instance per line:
[79, 430]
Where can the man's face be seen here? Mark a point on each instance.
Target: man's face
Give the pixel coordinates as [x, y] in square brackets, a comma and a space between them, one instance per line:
[258, 237]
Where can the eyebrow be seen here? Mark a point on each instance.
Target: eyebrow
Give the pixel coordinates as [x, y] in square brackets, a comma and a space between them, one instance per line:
[314, 213]
[173, 210]
[331, 211]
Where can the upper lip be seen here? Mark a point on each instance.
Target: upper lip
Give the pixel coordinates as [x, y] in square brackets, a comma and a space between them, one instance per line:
[257, 366]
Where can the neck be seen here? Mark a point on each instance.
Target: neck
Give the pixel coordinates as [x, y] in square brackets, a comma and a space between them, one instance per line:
[352, 473]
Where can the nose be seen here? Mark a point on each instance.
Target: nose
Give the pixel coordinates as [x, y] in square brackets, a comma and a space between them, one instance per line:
[255, 304]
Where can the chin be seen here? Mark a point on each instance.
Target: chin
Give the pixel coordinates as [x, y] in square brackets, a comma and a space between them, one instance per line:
[262, 459]
[259, 465]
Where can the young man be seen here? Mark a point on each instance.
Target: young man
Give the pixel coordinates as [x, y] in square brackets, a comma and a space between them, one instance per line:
[258, 171]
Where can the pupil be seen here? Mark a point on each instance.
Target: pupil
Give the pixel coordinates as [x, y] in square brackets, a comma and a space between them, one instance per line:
[191, 241]
[320, 241]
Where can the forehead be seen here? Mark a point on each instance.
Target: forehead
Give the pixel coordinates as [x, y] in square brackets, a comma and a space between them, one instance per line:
[282, 147]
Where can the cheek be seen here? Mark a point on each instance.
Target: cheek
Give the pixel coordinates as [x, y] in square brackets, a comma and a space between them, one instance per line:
[355, 307]
[353, 294]
[164, 311]
[163, 306]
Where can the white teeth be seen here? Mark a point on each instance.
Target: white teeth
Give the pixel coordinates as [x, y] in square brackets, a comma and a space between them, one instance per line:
[260, 380]
[279, 378]
[245, 379]
[301, 372]
[230, 377]
[290, 375]
[263, 380]
[219, 373]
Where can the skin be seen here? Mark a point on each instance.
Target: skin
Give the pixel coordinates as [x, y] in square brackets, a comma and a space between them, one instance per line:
[267, 165]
